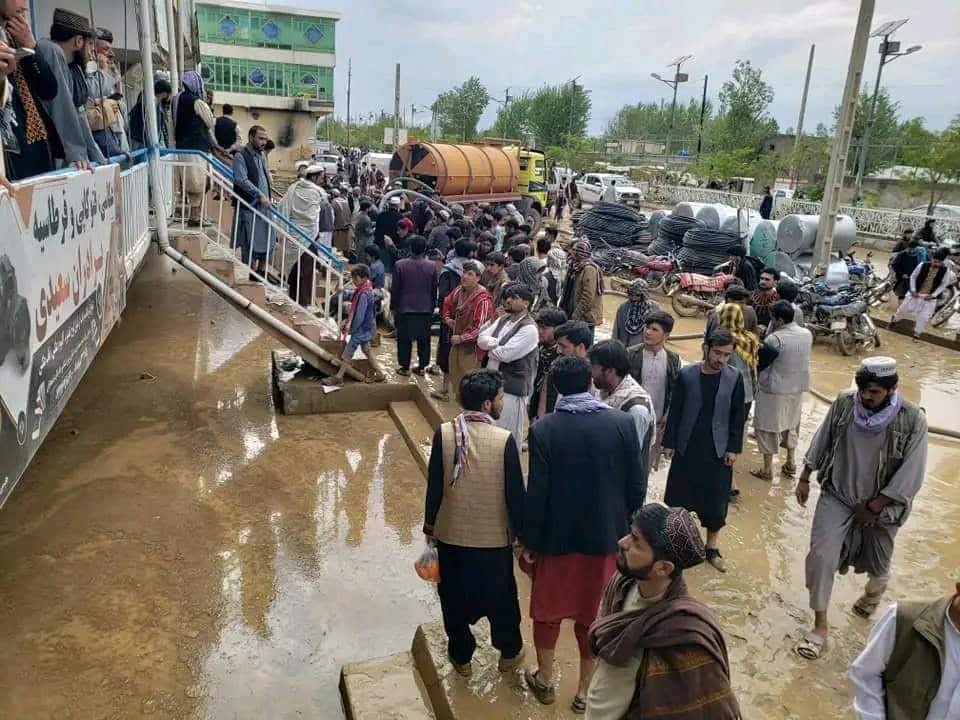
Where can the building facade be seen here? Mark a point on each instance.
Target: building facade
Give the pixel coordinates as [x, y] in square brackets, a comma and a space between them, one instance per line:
[275, 66]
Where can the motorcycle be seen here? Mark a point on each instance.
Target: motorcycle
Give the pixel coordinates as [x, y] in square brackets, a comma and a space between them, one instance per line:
[658, 271]
[947, 304]
[841, 315]
[692, 293]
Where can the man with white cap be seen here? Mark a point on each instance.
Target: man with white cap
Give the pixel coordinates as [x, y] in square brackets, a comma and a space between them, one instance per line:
[301, 204]
[870, 455]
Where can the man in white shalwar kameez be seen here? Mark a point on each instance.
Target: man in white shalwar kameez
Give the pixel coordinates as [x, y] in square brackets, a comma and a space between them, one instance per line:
[870, 455]
[927, 283]
[783, 379]
[512, 343]
[301, 204]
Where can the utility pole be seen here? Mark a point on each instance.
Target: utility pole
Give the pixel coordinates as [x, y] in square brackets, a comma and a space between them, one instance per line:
[172, 43]
[678, 77]
[803, 109]
[396, 110]
[349, 78]
[507, 98]
[841, 141]
[889, 51]
[703, 110]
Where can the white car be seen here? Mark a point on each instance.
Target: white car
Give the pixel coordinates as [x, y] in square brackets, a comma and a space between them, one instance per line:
[592, 186]
[329, 162]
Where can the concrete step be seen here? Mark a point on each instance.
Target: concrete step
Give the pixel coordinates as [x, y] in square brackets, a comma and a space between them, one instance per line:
[189, 244]
[386, 688]
[415, 429]
[225, 270]
[252, 291]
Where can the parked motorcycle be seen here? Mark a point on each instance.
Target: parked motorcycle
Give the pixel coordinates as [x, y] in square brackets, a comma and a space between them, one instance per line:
[841, 315]
[658, 271]
[693, 293]
[947, 304]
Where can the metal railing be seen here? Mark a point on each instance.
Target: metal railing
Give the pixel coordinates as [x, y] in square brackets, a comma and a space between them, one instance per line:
[291, 253]
[135, 225]
[869, 221]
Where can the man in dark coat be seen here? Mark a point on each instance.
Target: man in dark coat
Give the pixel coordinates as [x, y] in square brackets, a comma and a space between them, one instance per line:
[585, 480]
[704, 436]
[412, 298]
[766, 204]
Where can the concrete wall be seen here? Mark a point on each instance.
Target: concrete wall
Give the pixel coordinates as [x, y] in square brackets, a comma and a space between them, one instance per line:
[277, 124]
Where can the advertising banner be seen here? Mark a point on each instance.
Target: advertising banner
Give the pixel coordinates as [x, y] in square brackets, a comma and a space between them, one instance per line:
[62, 288]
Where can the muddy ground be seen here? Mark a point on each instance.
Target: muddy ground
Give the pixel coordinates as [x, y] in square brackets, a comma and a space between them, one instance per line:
[179, 550]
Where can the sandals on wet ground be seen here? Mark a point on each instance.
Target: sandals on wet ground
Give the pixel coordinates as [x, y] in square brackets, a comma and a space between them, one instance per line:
[867, 603]
[375, 377]
[762, 475]
[811, 647]
[546, 694]
[579, 705]
[788, 470]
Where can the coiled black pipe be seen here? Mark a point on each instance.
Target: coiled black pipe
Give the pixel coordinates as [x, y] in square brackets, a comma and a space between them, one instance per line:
[705, 248]
[670, 234]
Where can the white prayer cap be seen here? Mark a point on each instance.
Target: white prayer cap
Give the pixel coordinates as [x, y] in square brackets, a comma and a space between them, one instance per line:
[879, 367]
[334, 192]
[511, 207]
[395, 200]
[315, 169]
[444, 214]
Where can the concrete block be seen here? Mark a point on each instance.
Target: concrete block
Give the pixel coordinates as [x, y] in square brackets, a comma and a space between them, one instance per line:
[190, 244]
[415, 429]
[309, 330]
[223, 269]
[387, 687]
[254, 292]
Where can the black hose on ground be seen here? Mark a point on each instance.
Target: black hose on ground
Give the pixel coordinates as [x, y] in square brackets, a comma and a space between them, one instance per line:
[614, 224]
[705, 248]
[670, 234]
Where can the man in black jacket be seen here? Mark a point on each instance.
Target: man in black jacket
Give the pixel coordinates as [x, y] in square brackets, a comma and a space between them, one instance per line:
[585, 480]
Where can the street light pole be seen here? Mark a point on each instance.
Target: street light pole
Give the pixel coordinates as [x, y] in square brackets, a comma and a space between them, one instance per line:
[678, 77]
[889, 51]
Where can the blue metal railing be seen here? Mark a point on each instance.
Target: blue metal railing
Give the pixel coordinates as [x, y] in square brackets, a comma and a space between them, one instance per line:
[227, 172]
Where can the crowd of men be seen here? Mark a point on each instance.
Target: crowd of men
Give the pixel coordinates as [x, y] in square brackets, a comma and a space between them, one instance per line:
[595, 418]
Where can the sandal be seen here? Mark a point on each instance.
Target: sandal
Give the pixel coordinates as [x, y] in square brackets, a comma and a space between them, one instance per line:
[375, 377]
[811, 647]
[437, 395]
[544, 693]
[716, 559]
[867, 603]
[788, 470]
[332, 381]
[579, 705]
[762, 475]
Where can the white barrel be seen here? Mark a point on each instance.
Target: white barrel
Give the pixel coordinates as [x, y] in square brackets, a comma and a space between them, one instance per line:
[688, 209]
[798, 233]
[715, 214]
[653, 221]
[744, 221]
[763, 242]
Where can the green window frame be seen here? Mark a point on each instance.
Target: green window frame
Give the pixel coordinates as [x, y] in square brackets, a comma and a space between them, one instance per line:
[274, 78]
[256, 28]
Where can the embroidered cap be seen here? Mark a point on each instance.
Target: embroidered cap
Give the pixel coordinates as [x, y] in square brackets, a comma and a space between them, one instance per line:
[315, 169]
[879, 367]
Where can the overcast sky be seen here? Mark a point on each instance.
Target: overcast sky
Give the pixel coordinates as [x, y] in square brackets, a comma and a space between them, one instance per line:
[614, 45]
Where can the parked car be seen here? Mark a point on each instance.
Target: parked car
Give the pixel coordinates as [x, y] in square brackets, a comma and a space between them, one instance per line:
[329, 163]
[592, 185]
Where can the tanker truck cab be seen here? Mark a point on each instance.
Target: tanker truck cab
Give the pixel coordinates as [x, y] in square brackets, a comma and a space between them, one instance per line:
[532, 182]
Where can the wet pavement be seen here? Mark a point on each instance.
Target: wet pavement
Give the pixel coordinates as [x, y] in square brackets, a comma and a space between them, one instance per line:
[179, 550]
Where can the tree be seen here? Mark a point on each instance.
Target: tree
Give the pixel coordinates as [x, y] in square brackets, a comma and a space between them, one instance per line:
[810, 157]
[558, 114]
[459, 109]
[651, 122]
[884, 132]
[576, 155]
[744, 100]
[936, 160]
[513, 119]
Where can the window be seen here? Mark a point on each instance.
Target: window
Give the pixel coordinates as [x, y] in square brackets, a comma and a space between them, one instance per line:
[313, 34]
[524, 164]
[228, 26]
[270, 30]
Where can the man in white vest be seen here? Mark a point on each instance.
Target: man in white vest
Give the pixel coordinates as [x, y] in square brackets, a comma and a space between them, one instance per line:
[784, 378]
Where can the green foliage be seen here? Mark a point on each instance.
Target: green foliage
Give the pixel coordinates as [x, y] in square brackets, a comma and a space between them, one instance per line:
[743, 162]
[559, 114]
[810, 157]
[513, 120]
[460, 108]
[577, 155]
[744, 99]
[936, 158]
[651, 121]
[884, 134]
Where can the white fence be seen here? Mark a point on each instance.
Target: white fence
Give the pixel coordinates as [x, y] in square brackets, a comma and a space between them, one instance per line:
[136, 216]
[869, 221]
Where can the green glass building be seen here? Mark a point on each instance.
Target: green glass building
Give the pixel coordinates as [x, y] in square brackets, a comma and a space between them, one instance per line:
[274, 64]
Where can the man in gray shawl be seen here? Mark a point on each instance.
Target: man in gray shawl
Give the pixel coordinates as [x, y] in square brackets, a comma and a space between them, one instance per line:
[870, 454]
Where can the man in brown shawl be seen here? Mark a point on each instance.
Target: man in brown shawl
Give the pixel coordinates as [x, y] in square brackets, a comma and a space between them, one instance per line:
[661, 653]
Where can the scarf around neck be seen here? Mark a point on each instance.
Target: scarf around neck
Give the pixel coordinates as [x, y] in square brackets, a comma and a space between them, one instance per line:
[875, 421]
[364, 286]
[637, 311]
[628, 389]
[462, 438]
[580, 403]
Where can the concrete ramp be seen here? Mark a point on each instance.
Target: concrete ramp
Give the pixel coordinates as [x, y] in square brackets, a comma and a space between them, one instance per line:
[387, 688]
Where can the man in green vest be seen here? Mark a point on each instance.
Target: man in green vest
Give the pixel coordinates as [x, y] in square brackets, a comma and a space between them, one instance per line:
[870, 455]
[910, 668]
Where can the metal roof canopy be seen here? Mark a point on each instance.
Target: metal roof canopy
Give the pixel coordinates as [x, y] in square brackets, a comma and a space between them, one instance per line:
[888, 28]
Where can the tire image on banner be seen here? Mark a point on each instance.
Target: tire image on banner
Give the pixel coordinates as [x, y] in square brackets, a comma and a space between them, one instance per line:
[62, 288]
